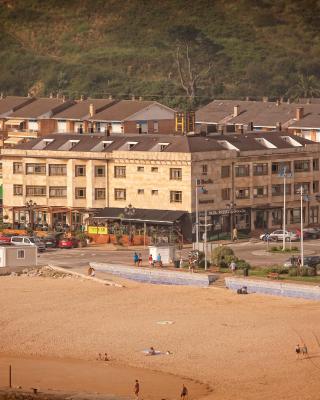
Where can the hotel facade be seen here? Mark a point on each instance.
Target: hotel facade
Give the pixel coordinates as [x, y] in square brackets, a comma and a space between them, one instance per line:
[72, 178]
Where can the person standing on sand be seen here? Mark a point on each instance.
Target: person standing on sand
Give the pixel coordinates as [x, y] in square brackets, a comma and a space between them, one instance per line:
[135, 259]
[137, 389]
[140, 260]
[184, 392]
[298, 351]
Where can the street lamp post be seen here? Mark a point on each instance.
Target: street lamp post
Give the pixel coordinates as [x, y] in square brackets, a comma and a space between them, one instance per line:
[231, 207]
[129, 210]
[284, 174]
[301, 225]
[198, 186]
[30, 205]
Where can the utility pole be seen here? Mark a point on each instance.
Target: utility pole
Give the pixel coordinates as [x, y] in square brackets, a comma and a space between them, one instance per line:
[284, 174]
[197, 217]
[301, 226]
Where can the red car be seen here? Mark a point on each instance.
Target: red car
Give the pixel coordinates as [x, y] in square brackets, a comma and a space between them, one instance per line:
[68, 243]
[5, 239]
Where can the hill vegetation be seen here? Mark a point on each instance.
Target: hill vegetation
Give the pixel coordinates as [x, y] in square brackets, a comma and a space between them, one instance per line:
[163, 50]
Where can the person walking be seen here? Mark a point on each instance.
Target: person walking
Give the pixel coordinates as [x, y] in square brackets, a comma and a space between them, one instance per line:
[159, 261]
[233, 267]
[150, 260]
[298, 351]
[135, 259]
[140, 260]
[234, 234]
[136, 389]
[184, 392]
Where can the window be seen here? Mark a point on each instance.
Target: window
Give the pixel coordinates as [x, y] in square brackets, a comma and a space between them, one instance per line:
[163, 146]
[80, 193]
[277, 216]
[301, 166]
[80, 170]
[315, 164]
[276, 168]
[294, 215]
[119, 194]
[314, 215]
[225, 194]
[35, 169]
[225, 171]
[17, 190]
[155, 127]
[242, 170]
[58, 191]
[176, 174]
[57, 169]
[119, 172]
[204, 169]
[36, 190]
[154, 169]
[21, 254]
[17, 168]
[99, 171]
[260, 191]
[140, 191]
[140, 169]
[175, 197]
[155, 192]
[315, 186]
[277, 190]
[100, 193]
[130, 145]
[242, 193]
[305, 187]
[260, 169]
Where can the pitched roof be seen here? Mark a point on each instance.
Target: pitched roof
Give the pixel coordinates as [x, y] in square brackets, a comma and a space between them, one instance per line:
[12, 103]
[251, 141]
[121, 110]
[80, 109]
[308, 121]
[140, 214]
[41, 107]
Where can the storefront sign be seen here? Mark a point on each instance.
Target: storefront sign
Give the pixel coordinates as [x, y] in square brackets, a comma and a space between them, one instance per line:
[209, 201]
[98, 230]
[227, 211]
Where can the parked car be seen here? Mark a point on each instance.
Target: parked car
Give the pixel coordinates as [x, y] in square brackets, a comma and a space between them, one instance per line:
[28, 241]
[51, 241]
[5, 239]
[309, 233]
[311, 261]
[278, 236]
[68, 243]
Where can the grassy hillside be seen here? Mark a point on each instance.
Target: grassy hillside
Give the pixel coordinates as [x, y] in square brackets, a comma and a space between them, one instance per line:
[123, 47]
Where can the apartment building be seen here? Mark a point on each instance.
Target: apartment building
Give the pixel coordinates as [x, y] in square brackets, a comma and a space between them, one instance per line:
[237, 177]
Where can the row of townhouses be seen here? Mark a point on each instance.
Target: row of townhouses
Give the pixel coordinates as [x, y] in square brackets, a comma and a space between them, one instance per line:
[76, 179]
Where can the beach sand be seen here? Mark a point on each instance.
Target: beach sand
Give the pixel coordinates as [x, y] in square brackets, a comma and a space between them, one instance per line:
[242, 347]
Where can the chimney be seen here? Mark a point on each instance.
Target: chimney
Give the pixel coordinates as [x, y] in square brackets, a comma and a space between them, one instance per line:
[51, 95]
[140, 98]
[288, 101]
[110, 97]
[299, 113]
[309, 101]
[63, 99]
[278, 103]
[133, 98]
[281, 99]
[236, 110]
[279, 126]
[265, 99]
[247, 98]
[81, 97]
[91, 110]
[1, 95]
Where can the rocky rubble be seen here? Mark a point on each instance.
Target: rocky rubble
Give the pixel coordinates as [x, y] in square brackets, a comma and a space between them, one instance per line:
[45, 272]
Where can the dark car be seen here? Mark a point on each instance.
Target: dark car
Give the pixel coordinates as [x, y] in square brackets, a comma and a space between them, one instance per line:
[51, 241]
[68, 243]
[310, 261]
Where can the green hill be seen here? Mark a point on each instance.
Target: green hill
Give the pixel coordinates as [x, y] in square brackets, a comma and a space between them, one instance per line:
[123, 47]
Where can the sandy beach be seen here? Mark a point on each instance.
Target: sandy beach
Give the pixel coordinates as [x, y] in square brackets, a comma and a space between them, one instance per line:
[239, 347]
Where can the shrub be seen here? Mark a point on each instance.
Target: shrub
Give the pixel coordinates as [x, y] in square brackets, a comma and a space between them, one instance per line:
[293, 271]
[221, 256]
[307, 271]
[242, 264]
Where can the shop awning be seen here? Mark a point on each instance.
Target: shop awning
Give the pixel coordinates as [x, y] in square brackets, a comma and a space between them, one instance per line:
[14, 122]
[13, 140]
[140, 215]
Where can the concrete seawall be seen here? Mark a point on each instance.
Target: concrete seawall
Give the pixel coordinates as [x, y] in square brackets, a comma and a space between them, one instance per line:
[275, 288]
[156, 276]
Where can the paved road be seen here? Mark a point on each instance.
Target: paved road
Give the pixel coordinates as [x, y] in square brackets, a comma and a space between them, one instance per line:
[253, 252]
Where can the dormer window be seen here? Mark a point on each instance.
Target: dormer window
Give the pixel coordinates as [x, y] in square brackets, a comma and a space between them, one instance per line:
[102, 145]
[73, 143]
[42, 144]
[160, 146]
[131, 145]
[70, 144]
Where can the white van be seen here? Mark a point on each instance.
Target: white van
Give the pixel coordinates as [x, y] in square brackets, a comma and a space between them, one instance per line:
[28, 241]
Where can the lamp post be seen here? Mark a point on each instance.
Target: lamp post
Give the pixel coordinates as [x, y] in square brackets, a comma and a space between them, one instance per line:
[203, 190]
[30, 205]
[129, 210]
[284, 174]
[231, 207]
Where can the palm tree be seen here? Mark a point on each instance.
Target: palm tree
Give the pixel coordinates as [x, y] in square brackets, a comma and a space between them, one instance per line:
[307, 86]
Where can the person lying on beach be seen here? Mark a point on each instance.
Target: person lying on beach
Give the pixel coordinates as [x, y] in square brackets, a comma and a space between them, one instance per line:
[106, 357]
[152, 351]
[99, 357]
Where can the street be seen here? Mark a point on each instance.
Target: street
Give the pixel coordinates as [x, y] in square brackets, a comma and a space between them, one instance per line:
[253, 252]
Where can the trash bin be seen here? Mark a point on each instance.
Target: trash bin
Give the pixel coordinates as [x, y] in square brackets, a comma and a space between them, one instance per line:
[245, 271]
[177, 263]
